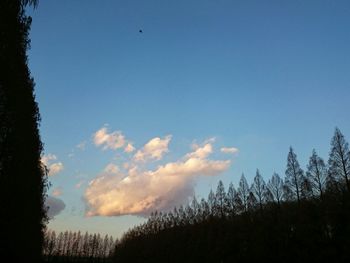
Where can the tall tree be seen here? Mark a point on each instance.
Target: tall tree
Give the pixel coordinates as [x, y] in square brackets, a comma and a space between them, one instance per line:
[22, 176]
[230, 200]
[220, 200]
[317, 174]
[339, 159]
[243, 192]
[294, 176]
[275, 186]
[259, 189]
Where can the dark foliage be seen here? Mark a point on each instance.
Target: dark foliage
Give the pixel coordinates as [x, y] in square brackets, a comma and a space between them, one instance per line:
[22, 177]
[75, 247]
[297, 220]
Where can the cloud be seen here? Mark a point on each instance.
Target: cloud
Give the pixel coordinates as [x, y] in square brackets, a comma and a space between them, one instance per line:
[55, 206]
[138, 192]
[231, 150]
[129, 148]
[53, 167]
[112, 141]
[201, 152]
[57, 192]
[153, 150]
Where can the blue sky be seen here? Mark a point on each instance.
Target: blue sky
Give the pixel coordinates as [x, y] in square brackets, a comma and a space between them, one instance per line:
[258, 76]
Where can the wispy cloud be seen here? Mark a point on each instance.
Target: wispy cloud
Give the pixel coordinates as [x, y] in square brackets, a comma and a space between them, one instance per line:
[54, 167]
[230, 150]
[137, 191]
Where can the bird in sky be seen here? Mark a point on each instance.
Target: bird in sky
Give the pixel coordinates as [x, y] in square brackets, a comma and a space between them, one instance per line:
[140, 31]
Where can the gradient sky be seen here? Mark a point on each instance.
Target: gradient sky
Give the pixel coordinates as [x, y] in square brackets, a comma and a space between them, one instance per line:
[258, 76]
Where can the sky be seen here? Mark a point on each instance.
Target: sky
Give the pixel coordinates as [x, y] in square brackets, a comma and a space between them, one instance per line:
[134, 122]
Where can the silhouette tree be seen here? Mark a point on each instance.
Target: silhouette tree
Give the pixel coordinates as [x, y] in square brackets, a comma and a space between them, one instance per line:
[294, 177]
[243, 193]
[259, 189]
[219, 203]
[22, 176]
[339, 159]
[230, 207]
[317, 174]
[275, 186]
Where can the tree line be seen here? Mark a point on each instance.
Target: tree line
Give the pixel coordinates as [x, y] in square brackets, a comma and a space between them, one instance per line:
[71, 246]
[305, 207]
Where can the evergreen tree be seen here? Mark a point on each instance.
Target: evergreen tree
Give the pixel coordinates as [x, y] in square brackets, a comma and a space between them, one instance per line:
[339, 159]
[275, 186]
[219, 202]
[22, 177]
[259, 189]
[317, 174]
[230, 200]
[243, 193]
[294, 177]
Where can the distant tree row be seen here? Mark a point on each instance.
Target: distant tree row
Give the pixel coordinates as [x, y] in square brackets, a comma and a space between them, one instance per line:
[311, 200]
[296, 186]
[76, 247]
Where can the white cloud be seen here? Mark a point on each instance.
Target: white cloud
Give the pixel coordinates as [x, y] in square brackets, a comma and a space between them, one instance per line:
[201, 152]
[46, 159]
[231, 150]
[54, 205]
[139, 192]
[53, 167]
[154, 149]
[113, 140]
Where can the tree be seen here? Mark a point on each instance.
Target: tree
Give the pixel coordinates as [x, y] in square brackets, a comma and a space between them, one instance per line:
[243, 193]
[294, 176]
[219, 202]
[275, 186]
[22, 177]
[211, 202]
[317, 174]
[339, 159]
[230, 200]
[259, 189]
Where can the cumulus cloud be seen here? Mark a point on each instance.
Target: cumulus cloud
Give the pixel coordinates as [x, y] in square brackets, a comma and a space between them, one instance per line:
[54, 167]
[138, 192]
[54, 205]
[231, 150]
[154, 149]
